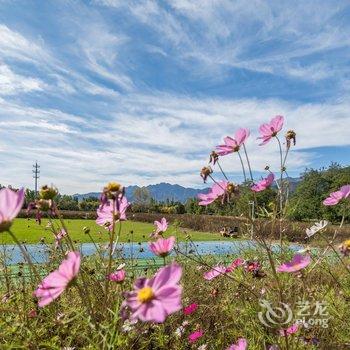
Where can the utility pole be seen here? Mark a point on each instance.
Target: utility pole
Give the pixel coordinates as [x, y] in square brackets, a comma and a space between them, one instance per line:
[36, 176]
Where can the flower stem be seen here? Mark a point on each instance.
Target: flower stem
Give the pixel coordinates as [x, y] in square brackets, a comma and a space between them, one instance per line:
[243, 169]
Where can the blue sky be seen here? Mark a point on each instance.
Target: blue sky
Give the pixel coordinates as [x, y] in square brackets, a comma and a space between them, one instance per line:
[141, 91]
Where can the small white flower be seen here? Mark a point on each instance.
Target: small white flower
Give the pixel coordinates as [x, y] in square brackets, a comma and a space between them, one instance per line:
[128, 326]
[315, 228]
[203, 347]
[179, 331]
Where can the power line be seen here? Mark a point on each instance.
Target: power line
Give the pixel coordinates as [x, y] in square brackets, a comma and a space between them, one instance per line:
[36, 176]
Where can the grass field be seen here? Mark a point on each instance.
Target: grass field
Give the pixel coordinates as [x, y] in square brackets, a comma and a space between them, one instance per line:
[29, 231]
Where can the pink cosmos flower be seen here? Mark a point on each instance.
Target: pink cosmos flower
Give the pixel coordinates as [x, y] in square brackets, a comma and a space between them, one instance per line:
[188, 310]
[215, 272]
[232, 145]
[298, 263]
[156, 298]
[335, 197]
[161, 227]
[53, 285]
[112, 211]
[193, 337]
[59, 237]
[240, 345]
[270, 130]
[117, 276]
[263, 184]
[11, 203]
[217, 190]
[236, 263]
[288, 331]
[162, 246]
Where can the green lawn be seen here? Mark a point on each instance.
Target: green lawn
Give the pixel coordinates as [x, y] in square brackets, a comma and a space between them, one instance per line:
[30, 231]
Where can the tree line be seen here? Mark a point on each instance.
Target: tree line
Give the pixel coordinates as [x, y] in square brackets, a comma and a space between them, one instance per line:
[305, 202]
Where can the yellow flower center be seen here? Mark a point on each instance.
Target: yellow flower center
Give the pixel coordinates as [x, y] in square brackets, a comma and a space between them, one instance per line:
[145, 294]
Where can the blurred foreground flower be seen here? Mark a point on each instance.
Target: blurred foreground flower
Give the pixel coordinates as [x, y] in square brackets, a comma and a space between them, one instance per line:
[240, 345]
[155, 298]
[53, 285]
[11, 203]
[335, 197]
[298, 263]
[162, 246]
[271, 129]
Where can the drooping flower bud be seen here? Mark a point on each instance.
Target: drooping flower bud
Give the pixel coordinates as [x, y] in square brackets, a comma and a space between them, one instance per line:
[213, 158]
[290, 137]
[205, 172]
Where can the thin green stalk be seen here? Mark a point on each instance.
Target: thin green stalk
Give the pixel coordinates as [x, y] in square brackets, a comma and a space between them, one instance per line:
[248, 162]
[242, 164]
[223, 173]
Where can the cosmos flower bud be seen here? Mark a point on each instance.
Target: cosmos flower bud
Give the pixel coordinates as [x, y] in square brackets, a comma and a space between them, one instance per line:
[267, 168]
[205, 172]
[231, 188]
[47, 192]
[213, 158]
[290, 137]
[86, 230]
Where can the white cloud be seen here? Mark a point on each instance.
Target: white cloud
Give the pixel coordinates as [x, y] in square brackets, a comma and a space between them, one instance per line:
[154, 138]
[12, 83]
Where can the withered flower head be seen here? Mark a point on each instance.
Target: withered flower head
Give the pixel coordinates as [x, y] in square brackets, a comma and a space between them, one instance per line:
[290, 137]
[47, 192]
[232, 188]
[205, 172]
[44, 204]
[213, 158]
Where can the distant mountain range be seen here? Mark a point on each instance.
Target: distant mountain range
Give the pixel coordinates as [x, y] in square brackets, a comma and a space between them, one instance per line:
[165, 191]
[160, 192]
